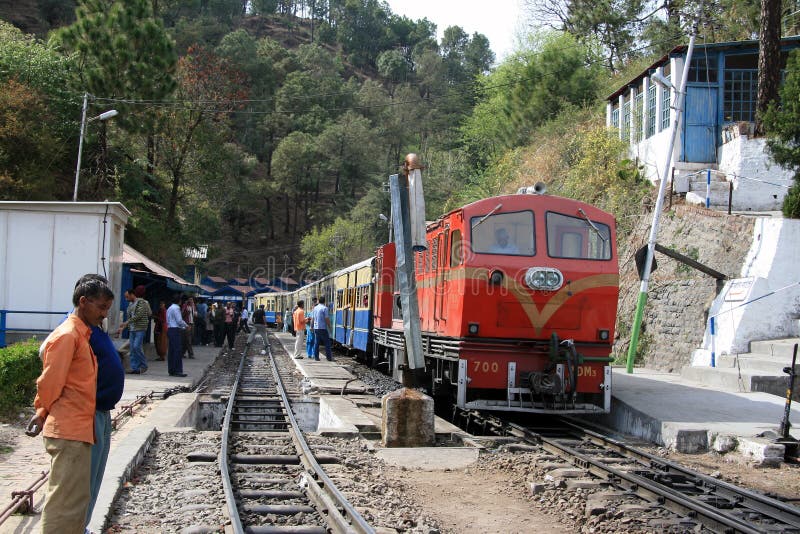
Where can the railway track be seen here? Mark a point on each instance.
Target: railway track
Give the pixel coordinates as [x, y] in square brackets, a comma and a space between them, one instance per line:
[273, 480]
[705, 501]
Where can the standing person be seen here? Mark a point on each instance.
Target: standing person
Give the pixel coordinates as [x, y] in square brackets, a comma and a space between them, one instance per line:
[287, 319]
[230, 324]
[188, 313]
[322, 322]
[310, 329]
[200, 322]
[139, 313]
[110, 383]
[209, 333]
[175, 327]
[299, 317]
[243, 320]
[218, 318]
[259, 326]
[161, 330]
[65, 408]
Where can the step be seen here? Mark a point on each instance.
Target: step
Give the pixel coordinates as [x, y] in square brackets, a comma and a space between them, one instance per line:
[781, 348]
[755, 362]
[734, 380]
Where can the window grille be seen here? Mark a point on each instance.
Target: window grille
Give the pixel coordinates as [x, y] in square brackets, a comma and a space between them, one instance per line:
[638, 115]
[651, 110]
[741, 92]
[626, 121]
[666, 101]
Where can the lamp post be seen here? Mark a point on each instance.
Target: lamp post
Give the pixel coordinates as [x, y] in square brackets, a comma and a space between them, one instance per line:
[386, 219]
[102, 117]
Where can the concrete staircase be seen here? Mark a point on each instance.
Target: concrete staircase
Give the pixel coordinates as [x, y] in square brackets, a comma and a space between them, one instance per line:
[761, 369]
[717, 193]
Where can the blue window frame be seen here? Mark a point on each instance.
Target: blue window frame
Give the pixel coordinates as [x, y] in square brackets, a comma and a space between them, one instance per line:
[741, 92]
[615, 117]
[651, 110]
[666, 100]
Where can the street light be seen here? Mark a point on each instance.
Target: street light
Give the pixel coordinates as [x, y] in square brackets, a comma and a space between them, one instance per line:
[386, 219]
[102, 117]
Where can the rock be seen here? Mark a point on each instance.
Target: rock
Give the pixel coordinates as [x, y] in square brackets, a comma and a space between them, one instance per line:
[537, 487]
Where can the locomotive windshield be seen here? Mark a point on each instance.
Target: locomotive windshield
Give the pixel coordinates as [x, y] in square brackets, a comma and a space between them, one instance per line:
[575, 237]
[503, 233]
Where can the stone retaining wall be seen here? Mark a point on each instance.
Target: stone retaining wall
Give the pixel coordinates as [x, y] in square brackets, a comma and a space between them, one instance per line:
[679, 296]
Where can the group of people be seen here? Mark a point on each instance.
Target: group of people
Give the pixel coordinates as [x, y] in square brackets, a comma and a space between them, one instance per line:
[311, 329]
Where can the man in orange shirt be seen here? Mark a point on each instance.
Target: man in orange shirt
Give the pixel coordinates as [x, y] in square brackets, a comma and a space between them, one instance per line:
[65, 406]
[299, 319]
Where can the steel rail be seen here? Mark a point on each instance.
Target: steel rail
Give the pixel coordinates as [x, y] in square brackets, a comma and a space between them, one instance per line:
[669, 498]
[227, 487]
[345, 517]
[758, 502]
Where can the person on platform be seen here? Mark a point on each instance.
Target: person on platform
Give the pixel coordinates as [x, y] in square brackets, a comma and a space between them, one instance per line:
[200, 323]
[322, 322]
[110, 384]
[299, 318]
[139, 313]
[310, 329]
[161, 330]
[175, 328]
[218, 319]
[65, 408]
[188, 314]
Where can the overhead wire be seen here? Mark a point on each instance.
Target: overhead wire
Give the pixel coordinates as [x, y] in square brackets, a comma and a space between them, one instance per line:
[454, 91]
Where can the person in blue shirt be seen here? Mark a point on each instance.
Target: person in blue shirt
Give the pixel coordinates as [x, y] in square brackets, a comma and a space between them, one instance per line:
[175, 327]
[322, 322]
[110, 384]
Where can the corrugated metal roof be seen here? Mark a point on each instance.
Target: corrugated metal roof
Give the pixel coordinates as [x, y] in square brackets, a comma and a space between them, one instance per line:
[132, 256]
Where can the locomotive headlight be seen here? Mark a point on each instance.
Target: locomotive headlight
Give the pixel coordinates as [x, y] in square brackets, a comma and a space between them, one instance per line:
[544, 278]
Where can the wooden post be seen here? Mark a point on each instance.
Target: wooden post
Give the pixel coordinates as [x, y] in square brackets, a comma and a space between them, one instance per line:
[406, 282]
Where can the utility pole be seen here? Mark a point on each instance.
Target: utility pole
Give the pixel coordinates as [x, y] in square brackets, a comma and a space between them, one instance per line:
[651, 243]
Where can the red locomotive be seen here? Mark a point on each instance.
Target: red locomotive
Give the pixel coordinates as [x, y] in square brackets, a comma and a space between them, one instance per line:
[517, 299]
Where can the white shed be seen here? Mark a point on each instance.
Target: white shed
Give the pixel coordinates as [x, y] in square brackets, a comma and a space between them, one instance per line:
[44, 248]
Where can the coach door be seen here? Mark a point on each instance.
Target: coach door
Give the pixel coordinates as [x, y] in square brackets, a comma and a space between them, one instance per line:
[439, 258]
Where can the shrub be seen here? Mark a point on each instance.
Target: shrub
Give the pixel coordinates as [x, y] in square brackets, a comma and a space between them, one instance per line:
[19, 367]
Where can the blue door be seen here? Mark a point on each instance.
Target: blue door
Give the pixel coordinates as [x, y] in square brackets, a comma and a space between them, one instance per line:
[700, 125]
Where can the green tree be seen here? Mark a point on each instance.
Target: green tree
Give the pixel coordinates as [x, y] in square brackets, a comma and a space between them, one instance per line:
[782, 123]
[123, 49]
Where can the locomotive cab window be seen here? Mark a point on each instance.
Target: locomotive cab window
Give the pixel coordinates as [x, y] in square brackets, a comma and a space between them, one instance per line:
[577, 238]
[504, 233]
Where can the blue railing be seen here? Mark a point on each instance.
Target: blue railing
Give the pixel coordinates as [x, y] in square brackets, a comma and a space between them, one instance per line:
[3, 329]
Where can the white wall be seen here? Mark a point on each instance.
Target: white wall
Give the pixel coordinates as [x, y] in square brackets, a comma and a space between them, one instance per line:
[771, 266]
[46, 246]
[749, 160]
[652, 153]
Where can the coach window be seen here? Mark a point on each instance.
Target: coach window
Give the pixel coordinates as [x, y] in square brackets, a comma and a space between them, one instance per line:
[509, 234]
[456, 252]
[577, 237]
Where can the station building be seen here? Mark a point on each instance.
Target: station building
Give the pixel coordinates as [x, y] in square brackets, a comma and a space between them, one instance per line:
[715, 140]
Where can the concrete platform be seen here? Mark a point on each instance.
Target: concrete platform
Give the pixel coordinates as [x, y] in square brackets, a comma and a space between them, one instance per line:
[128, 444]
[672, 411]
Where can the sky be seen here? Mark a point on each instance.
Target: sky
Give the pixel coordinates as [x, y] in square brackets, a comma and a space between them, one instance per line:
[497, 20]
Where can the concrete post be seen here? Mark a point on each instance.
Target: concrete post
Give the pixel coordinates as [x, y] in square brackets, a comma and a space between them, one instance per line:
[407, 419]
